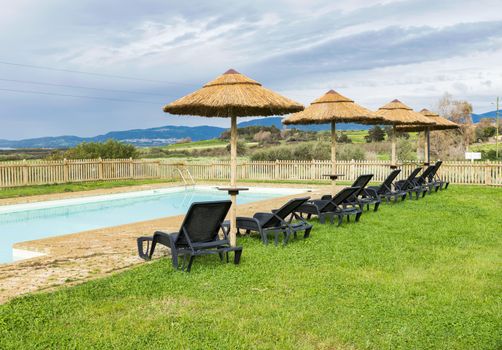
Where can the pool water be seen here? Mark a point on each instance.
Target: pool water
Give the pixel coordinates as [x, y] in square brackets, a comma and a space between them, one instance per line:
[45, 219]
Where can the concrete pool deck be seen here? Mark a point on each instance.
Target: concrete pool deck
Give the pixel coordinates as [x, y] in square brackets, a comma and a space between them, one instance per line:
[77, 257]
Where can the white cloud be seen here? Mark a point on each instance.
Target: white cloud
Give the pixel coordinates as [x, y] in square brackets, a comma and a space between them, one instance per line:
[372, 51]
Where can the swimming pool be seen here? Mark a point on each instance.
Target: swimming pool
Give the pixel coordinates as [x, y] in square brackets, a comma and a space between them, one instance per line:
[25, 222]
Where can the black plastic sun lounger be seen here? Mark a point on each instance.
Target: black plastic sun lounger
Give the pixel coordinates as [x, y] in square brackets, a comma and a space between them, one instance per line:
[385, 189]
[422, 180]
[409, 186]
[435, 179]
[331, 207]
[198, 235]
[363, 197]
[277, 222]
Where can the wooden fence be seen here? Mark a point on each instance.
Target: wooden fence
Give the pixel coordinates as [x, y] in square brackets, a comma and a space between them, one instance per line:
[13, 174]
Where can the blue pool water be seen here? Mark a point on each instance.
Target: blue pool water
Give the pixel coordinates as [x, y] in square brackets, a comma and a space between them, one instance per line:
[26, 225]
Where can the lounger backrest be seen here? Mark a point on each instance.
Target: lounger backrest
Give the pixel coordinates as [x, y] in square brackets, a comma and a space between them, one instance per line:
[203, 221]
[425, 174]
[344, 194]
[361, 182]
[408, 183]
[435, 170]
[284, 211]
[413, 174]
[387, 184]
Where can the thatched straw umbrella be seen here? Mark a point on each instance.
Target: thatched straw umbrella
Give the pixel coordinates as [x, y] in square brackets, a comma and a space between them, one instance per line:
[332, 108]
[233, 95]
[397, 113]
[440, 123]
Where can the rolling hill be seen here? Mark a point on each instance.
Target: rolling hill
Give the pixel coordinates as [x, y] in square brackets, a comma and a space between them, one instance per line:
[170, 134]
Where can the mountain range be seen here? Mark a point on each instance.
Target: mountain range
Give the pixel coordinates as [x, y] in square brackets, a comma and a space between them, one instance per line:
[165, 135]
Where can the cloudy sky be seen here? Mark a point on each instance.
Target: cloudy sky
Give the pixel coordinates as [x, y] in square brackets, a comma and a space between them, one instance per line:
[371, 51]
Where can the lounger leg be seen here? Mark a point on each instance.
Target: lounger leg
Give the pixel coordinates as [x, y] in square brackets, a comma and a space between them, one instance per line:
[377, 204]
[189, 267]
[358, 216]
[309, 216]
[368, 206]
[174, 256]
[237, 256]
[184, 262]
[287, 233]
[340, 220]
[307, 233]
[322, 218]
[221, 256]
[264, 237]
[152, 249]
[331, 217]
[143, 254]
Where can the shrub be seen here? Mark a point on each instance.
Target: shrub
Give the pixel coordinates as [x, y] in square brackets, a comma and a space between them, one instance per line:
[375, 134]
[349, 152]
[241, 148]
[111, 149]
[406, 150]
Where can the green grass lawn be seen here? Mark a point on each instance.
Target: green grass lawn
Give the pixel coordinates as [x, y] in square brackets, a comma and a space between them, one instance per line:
[416, 275]
[72, 187]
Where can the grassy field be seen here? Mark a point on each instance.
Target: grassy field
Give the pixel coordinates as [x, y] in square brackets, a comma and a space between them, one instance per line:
[213, 143]
[415, 275]
[484, 147]
[72, 187]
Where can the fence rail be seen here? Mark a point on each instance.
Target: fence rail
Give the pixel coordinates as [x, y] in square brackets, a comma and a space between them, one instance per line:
[23, 173]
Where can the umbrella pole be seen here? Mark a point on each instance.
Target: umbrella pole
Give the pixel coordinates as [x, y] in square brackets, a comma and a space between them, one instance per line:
[233, 179]
[333, 153]
[394, 145]
[428, 145]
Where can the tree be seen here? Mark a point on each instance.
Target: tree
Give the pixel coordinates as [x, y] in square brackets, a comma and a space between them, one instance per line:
[451, 144]
[263, 136]
[375, 134]
[343, 138]
[399, 134]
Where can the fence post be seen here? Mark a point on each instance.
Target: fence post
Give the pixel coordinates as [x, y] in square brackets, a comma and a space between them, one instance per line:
[244, 170]
[276, 169]
[131, 168]
[352, 169]
[157, 169]
[488, 173]
[100, 168]
[312, 169]
[25, 172]
[66, 171]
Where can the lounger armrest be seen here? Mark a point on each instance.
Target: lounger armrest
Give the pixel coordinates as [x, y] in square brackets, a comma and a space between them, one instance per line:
[161, 236]
[245, 222]
[260, 215]
[370, 192]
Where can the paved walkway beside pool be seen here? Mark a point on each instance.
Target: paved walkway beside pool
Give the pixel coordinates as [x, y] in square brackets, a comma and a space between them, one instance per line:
[78, 257]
